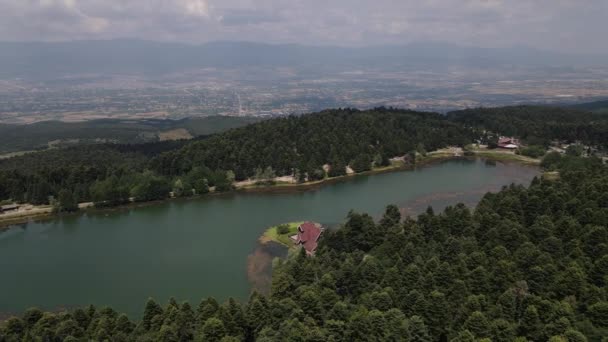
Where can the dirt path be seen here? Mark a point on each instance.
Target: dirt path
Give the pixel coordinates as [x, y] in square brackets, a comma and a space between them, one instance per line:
[24, 214]
[27, 211]
[250, 182]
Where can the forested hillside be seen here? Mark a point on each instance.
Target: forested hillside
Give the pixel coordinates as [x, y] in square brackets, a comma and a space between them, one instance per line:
[34, 177]
[307, 142]
[528, 264]
[294, 145]
[297, 144]
[538, 125]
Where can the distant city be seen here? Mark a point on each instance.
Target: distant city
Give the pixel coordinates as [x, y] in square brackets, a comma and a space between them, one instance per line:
[261, 89]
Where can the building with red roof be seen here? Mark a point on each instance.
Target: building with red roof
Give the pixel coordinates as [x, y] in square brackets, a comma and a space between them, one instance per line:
[508, 143]
[308, 236]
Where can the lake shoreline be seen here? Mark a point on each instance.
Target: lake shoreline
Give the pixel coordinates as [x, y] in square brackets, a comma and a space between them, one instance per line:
[211, 244]
[433, 158]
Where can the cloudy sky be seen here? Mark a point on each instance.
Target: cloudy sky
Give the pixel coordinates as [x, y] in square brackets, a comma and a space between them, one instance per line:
[550, 24]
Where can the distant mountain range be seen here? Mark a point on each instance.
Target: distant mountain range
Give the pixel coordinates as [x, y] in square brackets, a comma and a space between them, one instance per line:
[596, 106]
[52, 59]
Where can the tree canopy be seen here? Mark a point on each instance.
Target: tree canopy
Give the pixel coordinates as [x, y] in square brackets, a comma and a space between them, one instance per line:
[527, 264]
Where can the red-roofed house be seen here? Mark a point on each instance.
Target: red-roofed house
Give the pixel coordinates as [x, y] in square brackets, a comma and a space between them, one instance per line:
[308, 236]
[508, 143]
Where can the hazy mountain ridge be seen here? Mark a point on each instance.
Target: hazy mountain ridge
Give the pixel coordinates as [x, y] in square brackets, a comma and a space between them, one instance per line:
[52, 59]
[595, 106]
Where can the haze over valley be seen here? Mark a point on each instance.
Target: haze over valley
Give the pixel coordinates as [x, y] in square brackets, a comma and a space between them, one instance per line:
[132, 79]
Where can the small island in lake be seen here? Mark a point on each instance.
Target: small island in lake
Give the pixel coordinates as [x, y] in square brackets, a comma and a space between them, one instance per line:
[293, 234]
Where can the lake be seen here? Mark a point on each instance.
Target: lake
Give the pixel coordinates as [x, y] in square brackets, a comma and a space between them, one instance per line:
[196, 248]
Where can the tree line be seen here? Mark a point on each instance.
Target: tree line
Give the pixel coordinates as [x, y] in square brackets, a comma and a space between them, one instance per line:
[112, 174]
[538, 125]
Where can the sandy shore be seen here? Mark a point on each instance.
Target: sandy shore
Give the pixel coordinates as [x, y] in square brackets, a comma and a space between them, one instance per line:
[27, 212]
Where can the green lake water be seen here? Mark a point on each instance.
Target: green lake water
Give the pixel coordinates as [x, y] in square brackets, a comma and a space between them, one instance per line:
[192, 249]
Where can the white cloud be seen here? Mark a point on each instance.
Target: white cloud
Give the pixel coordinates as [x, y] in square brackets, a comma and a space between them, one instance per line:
[197, 8]
[554, 24]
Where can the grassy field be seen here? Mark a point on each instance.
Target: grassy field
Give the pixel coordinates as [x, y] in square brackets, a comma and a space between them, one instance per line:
[506, 156]
[174, 134]
[47, 134]
[272, 234]
[551, 175]
[433, 156]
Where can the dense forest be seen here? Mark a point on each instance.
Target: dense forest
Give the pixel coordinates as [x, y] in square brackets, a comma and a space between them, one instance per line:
[111, 174]
[307, 142]
[34, 177]
[527, 264]
[538, 125]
